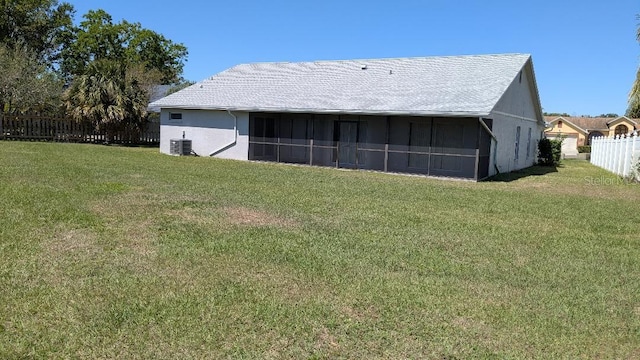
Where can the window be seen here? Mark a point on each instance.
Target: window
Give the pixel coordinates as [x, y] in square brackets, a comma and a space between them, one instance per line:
[593, 134]
[528, 143]
[559, 124]
[621, 130]
[517, 143]
[175, 116]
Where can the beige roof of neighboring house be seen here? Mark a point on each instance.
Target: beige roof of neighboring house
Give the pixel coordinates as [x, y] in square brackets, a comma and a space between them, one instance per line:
[587, 123]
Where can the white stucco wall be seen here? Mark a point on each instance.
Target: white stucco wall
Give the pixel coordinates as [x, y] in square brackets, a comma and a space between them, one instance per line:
[516, 108]
[210, 131]
[505, 129]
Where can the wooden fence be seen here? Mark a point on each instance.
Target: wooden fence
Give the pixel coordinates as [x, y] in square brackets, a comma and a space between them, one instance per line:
[44, 128]
[619, 154]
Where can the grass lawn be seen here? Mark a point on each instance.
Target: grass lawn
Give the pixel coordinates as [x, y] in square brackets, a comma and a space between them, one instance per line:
[112, 252]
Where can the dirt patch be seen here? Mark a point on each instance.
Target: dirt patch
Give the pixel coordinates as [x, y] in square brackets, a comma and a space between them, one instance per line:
[251, 217]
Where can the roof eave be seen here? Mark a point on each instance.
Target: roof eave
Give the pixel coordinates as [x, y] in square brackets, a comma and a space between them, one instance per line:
[621, 118]
[331, 111]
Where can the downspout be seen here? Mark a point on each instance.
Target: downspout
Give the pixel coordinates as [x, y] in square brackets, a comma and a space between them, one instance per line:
[493, 136]
[235, 136]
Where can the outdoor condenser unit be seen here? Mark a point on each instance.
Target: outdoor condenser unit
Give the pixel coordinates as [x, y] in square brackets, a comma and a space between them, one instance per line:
[181, 147]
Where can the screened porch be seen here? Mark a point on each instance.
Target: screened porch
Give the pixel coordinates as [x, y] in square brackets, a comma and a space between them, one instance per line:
[453, 147]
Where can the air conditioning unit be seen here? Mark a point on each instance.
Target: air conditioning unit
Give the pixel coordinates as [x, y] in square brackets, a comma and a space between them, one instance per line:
[180, 147]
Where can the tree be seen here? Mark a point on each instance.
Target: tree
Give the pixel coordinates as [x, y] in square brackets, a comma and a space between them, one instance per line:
[555, 114]
[98, 38]
[25, 83]
[182, 85]
[111, 95]
[112, 68]
[42, 26]
[633, 110]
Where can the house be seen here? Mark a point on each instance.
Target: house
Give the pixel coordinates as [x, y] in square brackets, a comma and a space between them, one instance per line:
[455, 116]
[578, 131]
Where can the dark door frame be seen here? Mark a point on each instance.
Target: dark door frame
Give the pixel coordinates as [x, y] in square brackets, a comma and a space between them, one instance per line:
[353, 141]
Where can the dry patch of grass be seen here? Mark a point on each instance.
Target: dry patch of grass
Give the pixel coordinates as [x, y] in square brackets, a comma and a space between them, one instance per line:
[141, 238]
[251, 217]
[227, 217]
[197, 216]
[75, 243]
[65, 249]
[468, 324]
[326, 342]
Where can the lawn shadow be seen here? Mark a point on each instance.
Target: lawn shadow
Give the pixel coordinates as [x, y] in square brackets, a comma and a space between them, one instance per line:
[536, 170]
[132, 145]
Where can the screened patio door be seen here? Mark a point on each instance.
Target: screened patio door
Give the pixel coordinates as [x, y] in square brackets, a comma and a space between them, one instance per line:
[347, 150]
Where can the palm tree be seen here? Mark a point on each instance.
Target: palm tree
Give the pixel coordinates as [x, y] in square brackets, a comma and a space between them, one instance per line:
[98, 96]
[111, 96]
[634, 95]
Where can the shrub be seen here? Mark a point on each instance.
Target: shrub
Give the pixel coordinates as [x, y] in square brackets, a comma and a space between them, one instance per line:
[584, 149]
[634, 175]
[549, 151]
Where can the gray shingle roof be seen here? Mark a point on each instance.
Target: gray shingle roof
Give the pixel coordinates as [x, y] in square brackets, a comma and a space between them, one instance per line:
[447, 85]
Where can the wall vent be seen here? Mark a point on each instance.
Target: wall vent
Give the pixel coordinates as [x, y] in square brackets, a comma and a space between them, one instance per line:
[180, 147]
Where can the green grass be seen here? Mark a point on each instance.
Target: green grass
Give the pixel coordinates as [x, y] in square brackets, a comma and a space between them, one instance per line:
[112, 252]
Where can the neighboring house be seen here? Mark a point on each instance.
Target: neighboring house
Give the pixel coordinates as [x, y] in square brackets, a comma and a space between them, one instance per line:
[578, 131]
[455, 116]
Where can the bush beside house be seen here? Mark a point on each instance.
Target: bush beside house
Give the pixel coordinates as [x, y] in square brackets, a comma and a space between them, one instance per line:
[584, 149]
[549, 152]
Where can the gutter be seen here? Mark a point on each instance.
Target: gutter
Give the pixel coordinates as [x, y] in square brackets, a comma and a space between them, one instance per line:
[471, 114]
[486, 127]
[235, 136]
[493, 136]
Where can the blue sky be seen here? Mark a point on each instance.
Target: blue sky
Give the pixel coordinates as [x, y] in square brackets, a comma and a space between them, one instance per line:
[585, 53]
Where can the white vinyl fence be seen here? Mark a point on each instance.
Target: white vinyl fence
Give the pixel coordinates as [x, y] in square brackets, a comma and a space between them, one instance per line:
[619, 154]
